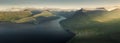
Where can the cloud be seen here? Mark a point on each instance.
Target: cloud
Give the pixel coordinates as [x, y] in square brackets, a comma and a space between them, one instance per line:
[59, 3]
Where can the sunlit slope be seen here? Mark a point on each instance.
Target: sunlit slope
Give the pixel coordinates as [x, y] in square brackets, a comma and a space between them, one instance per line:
[11, 16]
[26, 17]
[97, 26]
[110, 16]
[45, 15]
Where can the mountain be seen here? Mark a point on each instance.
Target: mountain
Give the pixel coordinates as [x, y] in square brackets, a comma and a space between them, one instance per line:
[11, 16]
[38, 18]
[97, 26]
[44, 13]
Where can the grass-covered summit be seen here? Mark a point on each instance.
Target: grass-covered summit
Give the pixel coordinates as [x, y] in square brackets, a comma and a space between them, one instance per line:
[10, 16]
[25, 17]
[45, 15]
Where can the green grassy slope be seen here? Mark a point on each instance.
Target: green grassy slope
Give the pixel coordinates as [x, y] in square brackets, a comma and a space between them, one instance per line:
[97, 27]
[45, 15]
[12, 16]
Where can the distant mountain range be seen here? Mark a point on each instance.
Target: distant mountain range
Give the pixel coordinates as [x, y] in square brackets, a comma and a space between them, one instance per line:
[56, 9]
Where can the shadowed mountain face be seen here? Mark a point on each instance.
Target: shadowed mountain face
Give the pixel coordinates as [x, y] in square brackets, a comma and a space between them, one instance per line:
[94, 26]
[36, 12]
[66, 14]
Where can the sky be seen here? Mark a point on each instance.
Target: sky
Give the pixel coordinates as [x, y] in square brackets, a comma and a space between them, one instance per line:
[58, 3]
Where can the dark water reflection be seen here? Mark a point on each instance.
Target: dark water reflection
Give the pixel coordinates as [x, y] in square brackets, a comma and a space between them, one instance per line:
[48, 32]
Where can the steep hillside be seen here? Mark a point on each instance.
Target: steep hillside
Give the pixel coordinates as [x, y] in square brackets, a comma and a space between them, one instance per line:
[38, 18]
[94, 26]
[44, 14]
[11, 16]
